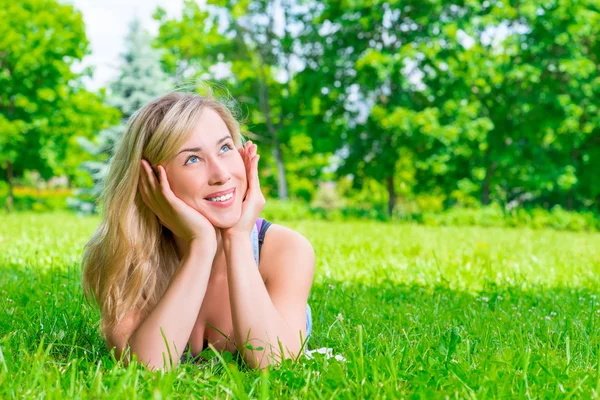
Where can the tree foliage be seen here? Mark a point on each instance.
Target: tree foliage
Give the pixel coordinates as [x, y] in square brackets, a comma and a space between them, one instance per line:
[42, 102]
[140, 79]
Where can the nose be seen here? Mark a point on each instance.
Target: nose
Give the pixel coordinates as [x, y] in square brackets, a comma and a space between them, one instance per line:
[218, 173]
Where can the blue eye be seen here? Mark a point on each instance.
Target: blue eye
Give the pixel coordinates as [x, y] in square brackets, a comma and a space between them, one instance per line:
[196, 157]
[190, 159]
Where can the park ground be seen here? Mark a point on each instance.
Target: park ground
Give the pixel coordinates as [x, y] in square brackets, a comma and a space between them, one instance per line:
[416, 311]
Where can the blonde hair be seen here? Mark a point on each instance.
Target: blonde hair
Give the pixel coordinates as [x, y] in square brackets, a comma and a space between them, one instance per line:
[130, 259]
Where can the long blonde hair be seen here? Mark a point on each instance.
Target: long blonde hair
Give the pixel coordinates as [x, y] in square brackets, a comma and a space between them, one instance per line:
[131, 258]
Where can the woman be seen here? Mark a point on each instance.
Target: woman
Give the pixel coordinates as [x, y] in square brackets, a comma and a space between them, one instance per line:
[177, 252]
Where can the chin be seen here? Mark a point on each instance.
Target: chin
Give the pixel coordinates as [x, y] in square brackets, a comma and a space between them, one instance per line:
[225, 220]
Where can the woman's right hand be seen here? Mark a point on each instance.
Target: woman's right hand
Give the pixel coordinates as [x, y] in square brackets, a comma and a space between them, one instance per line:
[181, 219]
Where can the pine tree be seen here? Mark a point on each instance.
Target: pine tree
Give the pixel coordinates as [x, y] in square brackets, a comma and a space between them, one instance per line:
[140, 80]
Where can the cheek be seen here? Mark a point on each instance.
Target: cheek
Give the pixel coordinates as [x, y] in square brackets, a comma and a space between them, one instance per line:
[239, 169]
[177, 187]
[184, 186]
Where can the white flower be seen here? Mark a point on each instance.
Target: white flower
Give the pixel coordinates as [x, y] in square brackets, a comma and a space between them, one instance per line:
[328, 351]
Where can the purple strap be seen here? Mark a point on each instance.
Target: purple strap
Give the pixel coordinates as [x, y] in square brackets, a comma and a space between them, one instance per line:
[259, 223]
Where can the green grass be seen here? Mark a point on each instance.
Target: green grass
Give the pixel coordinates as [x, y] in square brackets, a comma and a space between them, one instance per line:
[417, 311]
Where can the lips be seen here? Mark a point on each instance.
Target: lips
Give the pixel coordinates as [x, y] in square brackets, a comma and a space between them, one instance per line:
[221, 193]
[222, 204]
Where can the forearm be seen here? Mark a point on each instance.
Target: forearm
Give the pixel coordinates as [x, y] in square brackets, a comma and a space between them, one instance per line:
[255, 319]
[175, 313]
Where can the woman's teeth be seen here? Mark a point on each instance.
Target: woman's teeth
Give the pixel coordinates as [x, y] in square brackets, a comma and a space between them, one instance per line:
[222, 198]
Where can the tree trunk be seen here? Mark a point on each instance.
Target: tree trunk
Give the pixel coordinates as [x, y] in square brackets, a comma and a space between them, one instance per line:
[571, 195]
[392, 193]
[9, 179]
[485, 192]
[570, 200]
[282, 189]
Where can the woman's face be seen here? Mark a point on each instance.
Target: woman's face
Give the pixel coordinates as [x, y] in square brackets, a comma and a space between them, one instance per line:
[207, 163]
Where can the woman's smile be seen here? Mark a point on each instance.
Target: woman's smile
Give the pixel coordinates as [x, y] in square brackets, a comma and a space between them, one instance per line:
[223, 203]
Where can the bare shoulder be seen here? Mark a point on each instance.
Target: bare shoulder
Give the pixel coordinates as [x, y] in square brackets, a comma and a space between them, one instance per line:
[285, 248]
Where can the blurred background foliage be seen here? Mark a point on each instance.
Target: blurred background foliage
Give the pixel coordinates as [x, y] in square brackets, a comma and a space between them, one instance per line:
[435, 112]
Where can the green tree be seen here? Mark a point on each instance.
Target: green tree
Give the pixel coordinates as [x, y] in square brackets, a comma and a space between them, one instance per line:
[511, 119]
[257, 44]
[538, 86]
[141, 79]
[561, 52]
[42, 102]
[366, 61]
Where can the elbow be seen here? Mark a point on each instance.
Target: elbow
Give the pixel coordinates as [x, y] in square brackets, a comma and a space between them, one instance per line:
[152, 365]
[151, 362]
[272, 359]
[159, 363]
[262, 359]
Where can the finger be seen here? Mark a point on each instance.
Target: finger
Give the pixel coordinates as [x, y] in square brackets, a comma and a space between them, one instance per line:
[150, 177]
[253, 175]
[142, 183]
[256, 180]
[143, 189]
[147, 202]
[245, 159]
[249, 153]
[252, 161]
[164, 183]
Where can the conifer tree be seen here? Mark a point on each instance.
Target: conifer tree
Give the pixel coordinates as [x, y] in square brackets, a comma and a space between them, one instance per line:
[141, 79]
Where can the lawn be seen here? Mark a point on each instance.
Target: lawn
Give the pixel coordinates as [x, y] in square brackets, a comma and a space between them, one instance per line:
[417, 312]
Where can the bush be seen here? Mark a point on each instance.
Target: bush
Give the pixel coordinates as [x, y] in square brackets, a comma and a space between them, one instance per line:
[494, 215]
[32, 199]
[565, 220]
[289, 210]
[330, 207]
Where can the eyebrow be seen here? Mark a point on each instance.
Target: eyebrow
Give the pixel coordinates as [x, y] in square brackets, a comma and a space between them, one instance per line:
[199, 149]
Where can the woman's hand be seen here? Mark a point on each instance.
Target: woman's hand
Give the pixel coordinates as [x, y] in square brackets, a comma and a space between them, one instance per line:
[181, 219]
[254, 202]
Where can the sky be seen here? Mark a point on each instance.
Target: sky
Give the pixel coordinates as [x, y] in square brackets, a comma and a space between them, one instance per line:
[106, 24]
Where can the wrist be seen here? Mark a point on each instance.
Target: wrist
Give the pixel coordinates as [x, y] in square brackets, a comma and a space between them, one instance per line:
[228, 239]
[199, 246]
[234, 235]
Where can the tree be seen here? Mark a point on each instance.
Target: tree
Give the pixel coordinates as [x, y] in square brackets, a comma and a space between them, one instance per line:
[508, 119]
[141, 79]
[42, 102]
[261, 59]
[538, 86]
[361, 76]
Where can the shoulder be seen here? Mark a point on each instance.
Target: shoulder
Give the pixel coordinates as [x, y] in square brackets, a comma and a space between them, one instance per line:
[284, 248]
[283, 238]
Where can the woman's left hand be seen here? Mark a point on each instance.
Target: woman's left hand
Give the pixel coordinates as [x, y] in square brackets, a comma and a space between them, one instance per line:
[254, 201]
